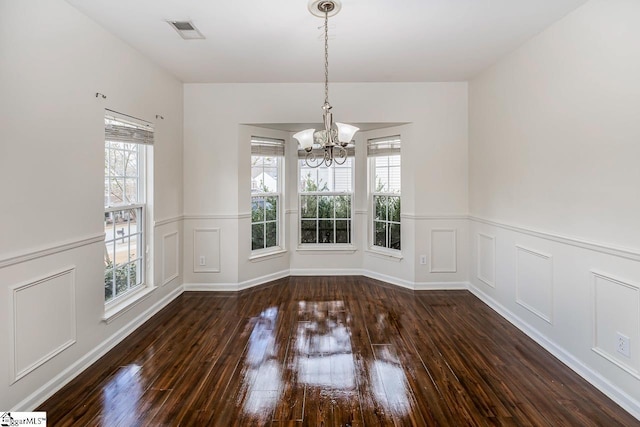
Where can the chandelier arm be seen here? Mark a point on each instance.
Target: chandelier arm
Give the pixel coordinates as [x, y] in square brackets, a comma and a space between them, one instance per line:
[341, 156]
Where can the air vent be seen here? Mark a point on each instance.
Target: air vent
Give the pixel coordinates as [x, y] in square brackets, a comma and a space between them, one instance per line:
[186, 29]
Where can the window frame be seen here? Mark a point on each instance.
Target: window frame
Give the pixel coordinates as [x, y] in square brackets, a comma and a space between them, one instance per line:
[143, 286]
[351, 219]
[373, 194]
[279, 194]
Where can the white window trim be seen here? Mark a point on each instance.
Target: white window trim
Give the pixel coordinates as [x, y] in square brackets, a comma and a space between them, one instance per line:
[372, 247]
[122, 303]
[273, 251]
[324, 247]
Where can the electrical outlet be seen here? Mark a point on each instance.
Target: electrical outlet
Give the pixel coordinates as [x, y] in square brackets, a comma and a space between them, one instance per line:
[622, 345]
[203, 261]
[423, 259]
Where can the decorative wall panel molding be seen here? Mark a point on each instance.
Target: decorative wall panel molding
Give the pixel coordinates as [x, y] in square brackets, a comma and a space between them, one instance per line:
[444, 252]
[170, 257]
[43, 321]
[616, 311]
[486, 256]
[206, 250]
[534, 282]
[628, 253]
[51, 250]
[166, 221]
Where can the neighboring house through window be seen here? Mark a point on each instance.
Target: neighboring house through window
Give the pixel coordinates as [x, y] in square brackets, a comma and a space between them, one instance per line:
[384, 173]
[126, 141]
[267, 158]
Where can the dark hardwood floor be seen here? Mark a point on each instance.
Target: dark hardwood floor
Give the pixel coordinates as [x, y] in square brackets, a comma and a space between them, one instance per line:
[334, 351]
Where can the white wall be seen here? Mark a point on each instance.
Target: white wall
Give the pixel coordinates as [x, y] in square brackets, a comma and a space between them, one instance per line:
[53, 60]
[554, 143]
[217, 196]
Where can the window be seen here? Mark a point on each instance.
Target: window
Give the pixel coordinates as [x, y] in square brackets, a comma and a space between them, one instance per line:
[326, 201]
[267, 157]
[384, 170]
[124, 204]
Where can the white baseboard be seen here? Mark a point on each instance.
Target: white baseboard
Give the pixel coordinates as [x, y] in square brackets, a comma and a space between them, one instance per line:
[263, 279]
[627, 402]
[63, 378]
[326, 272]
[389, 279]
[441, 286]
[210, 287]
[407, 284]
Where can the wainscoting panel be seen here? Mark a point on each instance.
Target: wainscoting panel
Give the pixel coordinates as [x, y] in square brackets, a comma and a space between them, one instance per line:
[44, 321]
[616, 306]
[486, 268]
[170, 257]
[444, 252]
[206, 250]
[534, 282]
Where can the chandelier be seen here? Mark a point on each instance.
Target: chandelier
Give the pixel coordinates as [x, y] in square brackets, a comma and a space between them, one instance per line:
[333, 140]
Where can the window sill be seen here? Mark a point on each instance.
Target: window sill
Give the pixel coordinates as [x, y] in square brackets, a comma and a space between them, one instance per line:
[267, 255]
[324, 248]
[114, 310]
[388, 254]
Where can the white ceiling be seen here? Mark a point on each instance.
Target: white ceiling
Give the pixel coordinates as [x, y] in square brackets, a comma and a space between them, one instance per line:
[280, 41]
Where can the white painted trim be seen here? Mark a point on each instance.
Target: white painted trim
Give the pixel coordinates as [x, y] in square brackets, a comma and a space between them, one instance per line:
[311, 249]
[484, 279]
[166, 280]
[389, 279]
[196, 267]
[361, 212]
[594, 336]
[63, 378]
[628, 253]
[452, 217]
[548, 319]
[195, 217]
[113, 311]
[628, 403]
[51, 250]
[18, 374]
[210, 287]
[264, 256]
[326, 272]
[442, 286]
[262, 279]
[161, 222]
[384, 253]
[455, 251]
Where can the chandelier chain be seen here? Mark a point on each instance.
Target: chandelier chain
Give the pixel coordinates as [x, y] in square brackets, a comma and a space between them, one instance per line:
[326, 57]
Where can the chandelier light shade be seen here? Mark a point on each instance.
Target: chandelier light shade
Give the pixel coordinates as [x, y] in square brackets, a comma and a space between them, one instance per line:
[334, 138]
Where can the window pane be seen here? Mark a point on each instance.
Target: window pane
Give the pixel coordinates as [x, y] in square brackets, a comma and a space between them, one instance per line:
[380, 234]
[326, 234]
[325, 207]
[382, 180]
[382, 161]
[257, 236]
[343, 231]
[394, 160]
[380, 206]
[394, 209]
[122, 275]
[342, 179]
[308, 179]
[269, 180]
[343, 206]
[257, 209]
[116, 194]
[323, 183]
[309, 206]
[394, 236]
[271, 231]
[308, 231]
[271, 208]
[108, 284]
[394, 179]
